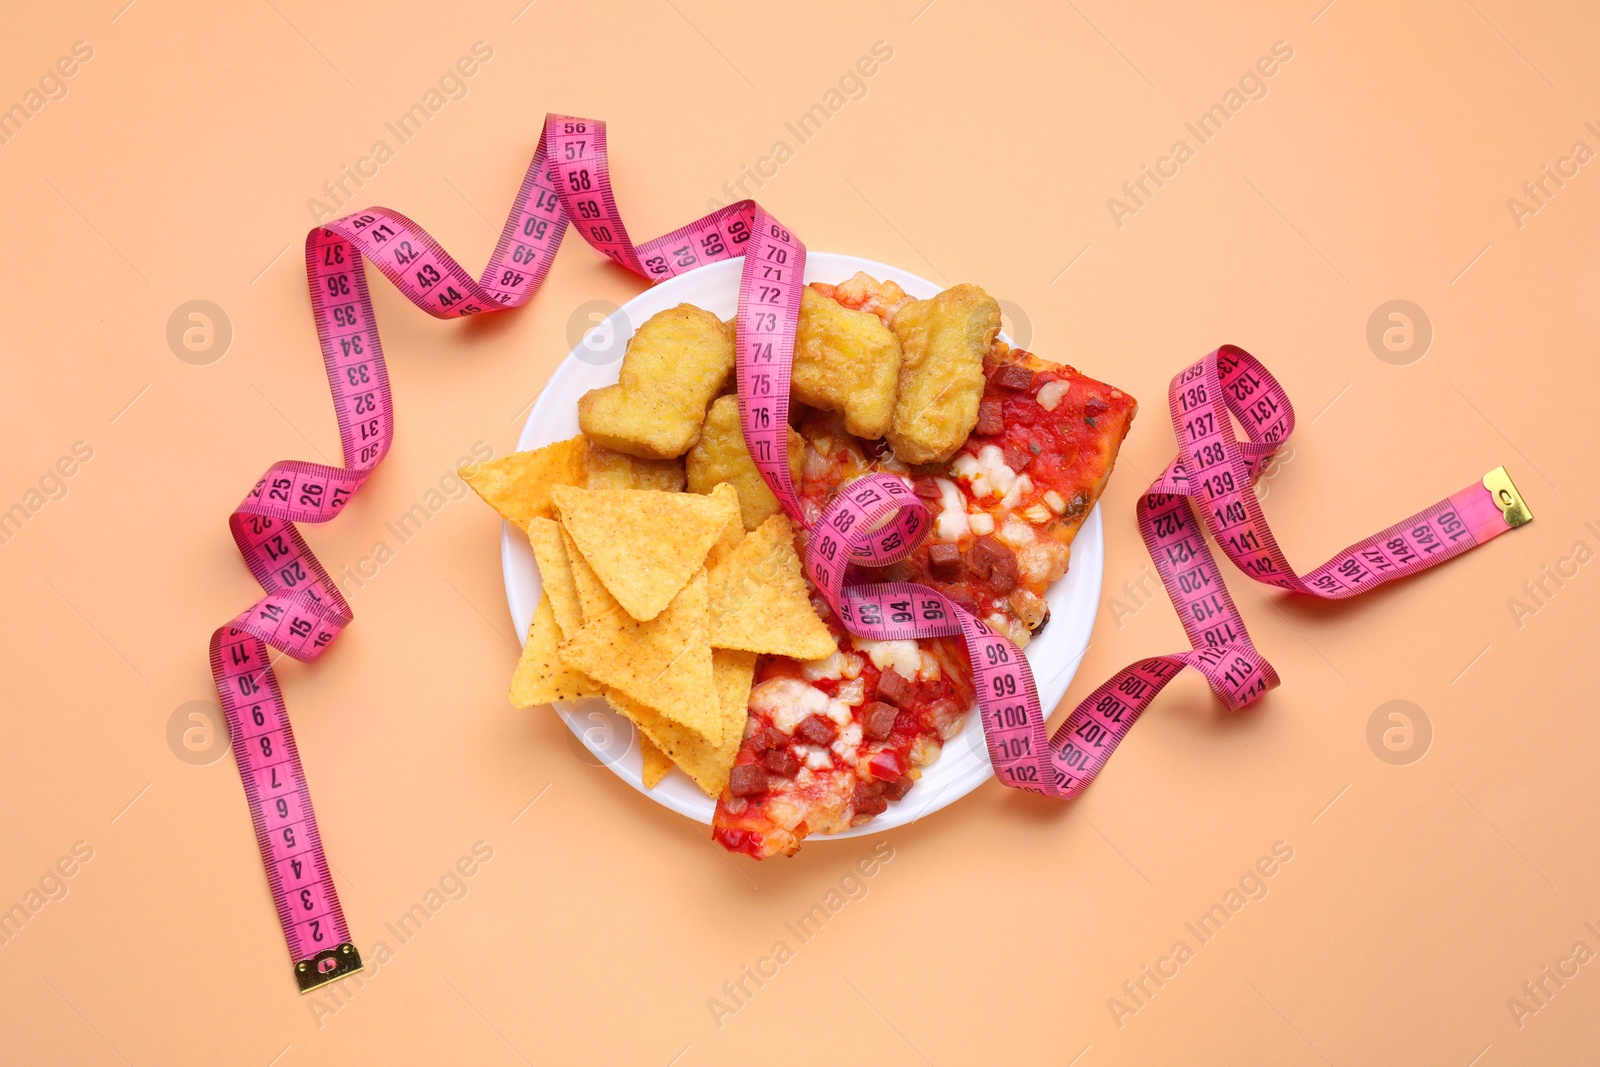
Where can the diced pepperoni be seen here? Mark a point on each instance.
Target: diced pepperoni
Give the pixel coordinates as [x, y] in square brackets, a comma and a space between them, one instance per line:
[944, 561]
[896, 688]
[1094, 406]
[877, 719]
[747, 780]
[994, 563]
[1014, 376]
[816, 730]
[991, 417]
[769, 738]
[963, 598]
[986, 552]
[1017, 457]
[781, 763]
[926, 488]
[899, 787]
[1004, 576]
[867, 800]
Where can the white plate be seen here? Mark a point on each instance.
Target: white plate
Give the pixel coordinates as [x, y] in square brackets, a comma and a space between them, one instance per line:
[609, 737]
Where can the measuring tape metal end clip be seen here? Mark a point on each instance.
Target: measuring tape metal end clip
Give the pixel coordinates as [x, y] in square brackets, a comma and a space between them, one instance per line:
[325, 967]
[1512, 507]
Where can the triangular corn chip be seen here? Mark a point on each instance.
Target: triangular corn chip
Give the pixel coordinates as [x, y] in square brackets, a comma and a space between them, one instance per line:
[759, 601]
[656, 762]
[643, 544]
[592, 596]
[706, 764]
[735, 531]
[555, 574]
[665, 662]
[518, 486]
[540, 676]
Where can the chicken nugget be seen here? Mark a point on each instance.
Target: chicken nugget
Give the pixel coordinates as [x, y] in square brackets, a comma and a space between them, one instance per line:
[675, 363]
[846, 361]
[720, 456]
[605, 469]
[942, 345]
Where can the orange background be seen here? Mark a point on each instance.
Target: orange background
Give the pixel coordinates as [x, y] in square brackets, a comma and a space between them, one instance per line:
[1377, 166]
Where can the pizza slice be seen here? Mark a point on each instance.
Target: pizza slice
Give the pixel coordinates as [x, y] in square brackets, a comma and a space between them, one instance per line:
[831, 743]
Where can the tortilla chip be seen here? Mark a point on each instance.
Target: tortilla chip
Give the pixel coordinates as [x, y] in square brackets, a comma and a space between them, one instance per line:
[706, 764]
[540, 676]
[664, 663]
[593, 599]
[643, 544]
[555, 573]
[734, 673]
[759, 600]
[656, 762]
[518, 486]
[733, 534]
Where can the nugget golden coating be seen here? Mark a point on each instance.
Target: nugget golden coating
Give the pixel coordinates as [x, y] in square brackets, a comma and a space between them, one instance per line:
[720, 456]
[942, 345]
[846, 361]
[675, 363]
[605, 469]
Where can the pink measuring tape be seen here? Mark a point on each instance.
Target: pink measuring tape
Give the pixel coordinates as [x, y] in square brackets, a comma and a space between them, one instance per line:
[876, 521]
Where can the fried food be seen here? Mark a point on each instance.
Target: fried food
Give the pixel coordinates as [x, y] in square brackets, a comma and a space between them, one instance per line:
[675, 363]
[942, 343]
[605, 469]
[759, 600]
[518, 486]
[846, 361]
[541, 677]
[664, 664]
[644, 544]
[720, 456]
[664, 742]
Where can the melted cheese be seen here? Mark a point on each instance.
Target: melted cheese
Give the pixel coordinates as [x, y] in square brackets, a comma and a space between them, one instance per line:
[951, 525]
[830, 667]
[814, 756]
[1015, 533]
[853, 692]
[904, 656]
[1050, 394]
[787, 702]
[1019, 489]
[848, 741]
[987, 473]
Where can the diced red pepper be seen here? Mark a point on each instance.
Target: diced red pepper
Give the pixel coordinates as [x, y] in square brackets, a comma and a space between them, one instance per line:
[887, 765]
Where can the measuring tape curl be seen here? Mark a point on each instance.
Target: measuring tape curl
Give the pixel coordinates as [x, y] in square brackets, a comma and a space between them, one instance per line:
[1211, 486]
[302, 610]
[877, 520]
